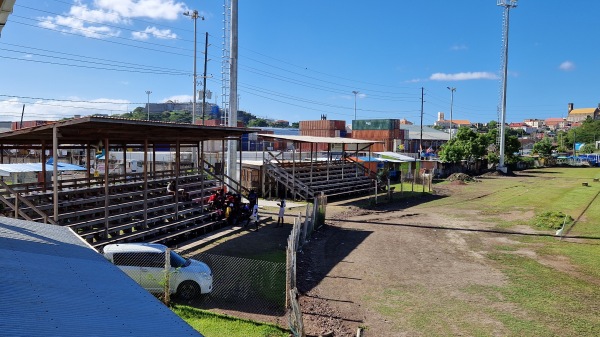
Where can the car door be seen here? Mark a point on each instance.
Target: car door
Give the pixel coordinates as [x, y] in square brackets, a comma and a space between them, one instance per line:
[153, 272]
[129, 263]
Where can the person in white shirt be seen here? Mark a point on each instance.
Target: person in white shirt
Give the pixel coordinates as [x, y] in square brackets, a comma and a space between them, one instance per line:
[281, 205]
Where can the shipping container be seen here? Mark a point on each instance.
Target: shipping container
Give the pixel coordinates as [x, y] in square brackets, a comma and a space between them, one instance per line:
[320, 133]
[376, 134]
[217, 122]
[27, 124]
[375, 124]
[323, 125]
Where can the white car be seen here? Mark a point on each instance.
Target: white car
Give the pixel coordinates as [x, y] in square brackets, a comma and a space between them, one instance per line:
[145, 263]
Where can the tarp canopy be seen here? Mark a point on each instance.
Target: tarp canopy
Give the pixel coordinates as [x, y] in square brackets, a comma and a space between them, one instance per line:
[395, 155]
[7, 169]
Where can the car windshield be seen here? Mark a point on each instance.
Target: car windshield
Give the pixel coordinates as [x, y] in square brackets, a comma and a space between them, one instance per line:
[178, 261]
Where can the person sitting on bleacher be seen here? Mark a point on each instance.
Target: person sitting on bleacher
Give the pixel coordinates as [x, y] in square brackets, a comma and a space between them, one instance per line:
[212, 200]
[172, 189]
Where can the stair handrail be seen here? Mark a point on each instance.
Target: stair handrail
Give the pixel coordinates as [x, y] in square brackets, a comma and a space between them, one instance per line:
[15, 207]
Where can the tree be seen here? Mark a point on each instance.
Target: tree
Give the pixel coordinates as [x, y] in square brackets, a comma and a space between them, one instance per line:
[587, 148]
[296, 125]
[466, 145]
[258, 122]
[543, 148]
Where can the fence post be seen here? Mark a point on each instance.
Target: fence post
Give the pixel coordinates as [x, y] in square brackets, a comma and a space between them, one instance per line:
[167, 287]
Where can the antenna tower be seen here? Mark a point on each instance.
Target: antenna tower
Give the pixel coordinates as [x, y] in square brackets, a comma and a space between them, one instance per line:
[507, 4]
[225, 66]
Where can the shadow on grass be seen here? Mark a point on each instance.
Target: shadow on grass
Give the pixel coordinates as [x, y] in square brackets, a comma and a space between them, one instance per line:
[494, 231]
[328, 247]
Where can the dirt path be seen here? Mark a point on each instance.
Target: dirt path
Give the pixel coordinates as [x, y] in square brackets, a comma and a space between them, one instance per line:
[368, 266]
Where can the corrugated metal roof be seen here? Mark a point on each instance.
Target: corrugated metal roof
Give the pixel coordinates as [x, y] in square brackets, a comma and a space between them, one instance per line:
[7, 169]
[414, 132]
[326, 140]
[55, 284]
[6, 7]
[395, 155]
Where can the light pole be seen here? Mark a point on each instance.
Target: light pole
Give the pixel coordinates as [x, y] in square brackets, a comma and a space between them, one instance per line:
[194, 16]
[355, 93]
[148, 92]
[452, 90]
[507, 4]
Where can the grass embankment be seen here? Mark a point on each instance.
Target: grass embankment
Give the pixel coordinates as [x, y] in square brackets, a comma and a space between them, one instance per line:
[216, 325]
[550, 286]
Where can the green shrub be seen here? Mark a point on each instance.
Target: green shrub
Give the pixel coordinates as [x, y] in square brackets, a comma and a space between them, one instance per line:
[552, 220]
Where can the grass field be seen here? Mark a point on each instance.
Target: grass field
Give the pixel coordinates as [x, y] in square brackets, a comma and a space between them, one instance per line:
[539, 299]
[215, 325]
[548, 287]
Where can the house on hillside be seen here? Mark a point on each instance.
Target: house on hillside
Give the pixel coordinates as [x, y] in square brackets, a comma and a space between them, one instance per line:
[555, 123]
[456, 123]
[579, 115]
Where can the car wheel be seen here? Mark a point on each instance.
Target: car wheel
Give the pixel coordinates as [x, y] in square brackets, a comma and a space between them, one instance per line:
[188, 290]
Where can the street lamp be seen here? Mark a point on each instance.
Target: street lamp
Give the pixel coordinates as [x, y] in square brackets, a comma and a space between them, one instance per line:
[355, 93]
[452, 90]
[148, 92]
[194, 15]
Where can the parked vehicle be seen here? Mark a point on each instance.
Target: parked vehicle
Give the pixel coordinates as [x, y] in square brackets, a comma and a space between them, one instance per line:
[145, 263]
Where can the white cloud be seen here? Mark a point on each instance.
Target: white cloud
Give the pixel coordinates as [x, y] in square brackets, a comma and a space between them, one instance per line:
[55, 110]
[480, 75]
[179, 98]
[28, 56]
[153, 31]
[154, 9]
[567, 66]
[96, 20]
[458, 47]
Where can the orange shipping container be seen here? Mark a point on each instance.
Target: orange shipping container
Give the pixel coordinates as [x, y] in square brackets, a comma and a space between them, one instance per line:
[323, 125]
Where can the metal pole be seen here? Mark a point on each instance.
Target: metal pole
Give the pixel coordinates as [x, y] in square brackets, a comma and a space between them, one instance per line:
[507, 6]
[232, 171]
[204, 77]
[452, 90]
[148, 92]
[194, 17]
[421, 137]
[355, 93]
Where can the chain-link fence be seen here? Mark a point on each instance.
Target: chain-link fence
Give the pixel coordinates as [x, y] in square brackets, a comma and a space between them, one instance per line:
[210, 281]
[205, 280]
[244, 285]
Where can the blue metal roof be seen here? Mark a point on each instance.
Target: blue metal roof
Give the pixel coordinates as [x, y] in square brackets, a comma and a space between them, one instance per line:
[6, 169]
[55, 284]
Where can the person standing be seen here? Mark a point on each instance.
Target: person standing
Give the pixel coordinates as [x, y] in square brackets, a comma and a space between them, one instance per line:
[252, 198]
[254, 216]
[281, 214]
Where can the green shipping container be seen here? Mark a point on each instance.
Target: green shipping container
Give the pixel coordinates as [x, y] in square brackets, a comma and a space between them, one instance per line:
[376, 124]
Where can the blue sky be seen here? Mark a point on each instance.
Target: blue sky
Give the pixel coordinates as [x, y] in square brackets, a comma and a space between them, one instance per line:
[301, 59]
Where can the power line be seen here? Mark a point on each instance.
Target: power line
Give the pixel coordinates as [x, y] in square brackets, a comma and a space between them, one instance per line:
[127, 67]
[103, 40]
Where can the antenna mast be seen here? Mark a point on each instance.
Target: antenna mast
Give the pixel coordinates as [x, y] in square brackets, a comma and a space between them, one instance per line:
[225, 69]
[507, 4]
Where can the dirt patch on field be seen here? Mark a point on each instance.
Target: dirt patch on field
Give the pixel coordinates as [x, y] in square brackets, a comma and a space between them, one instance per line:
[379, 267]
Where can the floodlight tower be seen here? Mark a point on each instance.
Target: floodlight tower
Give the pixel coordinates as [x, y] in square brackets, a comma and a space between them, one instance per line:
[507, 4]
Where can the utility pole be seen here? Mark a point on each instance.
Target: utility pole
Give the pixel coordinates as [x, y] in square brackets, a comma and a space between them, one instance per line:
[355, 93]
[507, 4]
[232, 170]
[148, 92]
[452, 90]
[204, 77]
[194, 15]
[421, 138]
